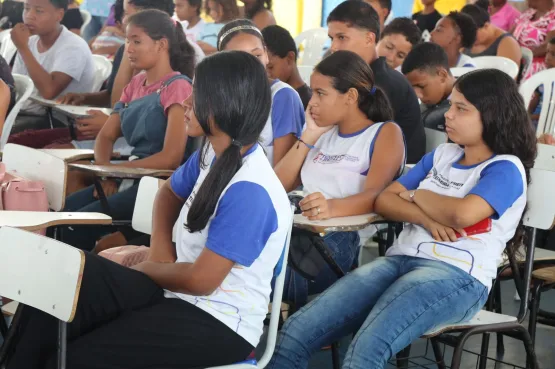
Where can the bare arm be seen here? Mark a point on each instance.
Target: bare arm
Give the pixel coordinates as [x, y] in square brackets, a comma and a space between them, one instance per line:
[509, 48]
[391, 206]
[540, 50]
[282, 145]
[167, 207]
[104, 144]
[5, 97]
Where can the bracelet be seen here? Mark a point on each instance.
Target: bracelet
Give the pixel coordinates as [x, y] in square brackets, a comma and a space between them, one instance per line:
[306, 144]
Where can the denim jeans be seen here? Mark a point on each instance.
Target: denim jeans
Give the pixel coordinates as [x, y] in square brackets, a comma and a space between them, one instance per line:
[389, 303]
[121, 205]
[344, 247]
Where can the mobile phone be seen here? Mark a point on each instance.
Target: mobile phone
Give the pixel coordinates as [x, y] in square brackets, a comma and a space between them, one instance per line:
[483, 226]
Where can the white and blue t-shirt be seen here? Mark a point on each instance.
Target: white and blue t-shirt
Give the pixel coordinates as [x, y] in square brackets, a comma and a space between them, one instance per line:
[248, 227]
[465, 61]
[339, 164]
[500, 180]
[286, 117]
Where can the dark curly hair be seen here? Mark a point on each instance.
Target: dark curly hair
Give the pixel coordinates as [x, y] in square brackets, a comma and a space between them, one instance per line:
[258, 6]
[478, 15]
[507, 129]
[406, 27]
[466, 27]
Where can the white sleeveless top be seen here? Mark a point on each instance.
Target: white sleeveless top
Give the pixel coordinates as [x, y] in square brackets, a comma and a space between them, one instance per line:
[339, 164]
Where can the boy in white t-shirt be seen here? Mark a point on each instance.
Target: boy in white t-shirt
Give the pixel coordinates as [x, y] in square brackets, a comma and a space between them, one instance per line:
[57, 60]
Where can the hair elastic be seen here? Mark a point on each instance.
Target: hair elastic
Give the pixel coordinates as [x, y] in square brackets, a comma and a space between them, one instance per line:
[373, 90]
[236, 143]
[235, 29]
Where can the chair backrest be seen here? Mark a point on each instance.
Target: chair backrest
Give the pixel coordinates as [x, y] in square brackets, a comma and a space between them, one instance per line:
[103, 69]
[23, 89]
[497, 62]
[306, 71]
[546, 122]
[40, 272]
[527, 57]
[7, 47]
[36, 165]
[87, 17]
[311, 44]
[460, 71]
[434, 139]
[540, 212]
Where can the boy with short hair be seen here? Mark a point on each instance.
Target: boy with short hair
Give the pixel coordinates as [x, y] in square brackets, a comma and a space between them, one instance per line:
[454, 32]
[354, 26]
[282, 65]
[57, 60]
[397, 40]
[382, 7]
[427, 69]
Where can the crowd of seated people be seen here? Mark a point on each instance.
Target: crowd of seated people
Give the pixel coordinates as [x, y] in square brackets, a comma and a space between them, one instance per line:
[341, 138]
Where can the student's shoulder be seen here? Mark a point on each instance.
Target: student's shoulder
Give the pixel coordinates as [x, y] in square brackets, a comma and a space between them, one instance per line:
[70, 39]
[504, 163]
[282, 92]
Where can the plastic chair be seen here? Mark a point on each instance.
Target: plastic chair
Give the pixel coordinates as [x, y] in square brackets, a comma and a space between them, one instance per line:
[305, 71]
[527, 57]
[434, 139]
[497, 62]
[103, 68]
[546, 122]
[7, 47]
[87, 18]
[460, 71]
[311, 44]
[23, 89]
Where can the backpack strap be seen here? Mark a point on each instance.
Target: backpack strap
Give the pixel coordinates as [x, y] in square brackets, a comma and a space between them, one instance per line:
[171, 80]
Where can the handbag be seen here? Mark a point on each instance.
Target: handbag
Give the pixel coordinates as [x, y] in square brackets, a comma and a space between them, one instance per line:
[126, 255]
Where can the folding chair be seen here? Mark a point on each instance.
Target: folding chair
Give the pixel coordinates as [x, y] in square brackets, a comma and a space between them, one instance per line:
[23, 89]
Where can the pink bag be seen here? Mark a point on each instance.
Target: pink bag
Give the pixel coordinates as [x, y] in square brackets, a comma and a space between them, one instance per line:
[18, 194]
[126, 255]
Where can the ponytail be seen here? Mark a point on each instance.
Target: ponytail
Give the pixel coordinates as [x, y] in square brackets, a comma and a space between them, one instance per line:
[375, 105]
[182, 54]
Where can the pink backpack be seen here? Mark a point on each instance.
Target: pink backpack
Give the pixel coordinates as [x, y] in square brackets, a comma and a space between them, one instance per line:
[19, 194]
[126, 255]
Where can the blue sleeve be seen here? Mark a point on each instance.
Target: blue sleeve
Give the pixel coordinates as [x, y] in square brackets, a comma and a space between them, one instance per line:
[412, 179]
[245, 219]
[287, 113]
[500, 185]
[184, 178]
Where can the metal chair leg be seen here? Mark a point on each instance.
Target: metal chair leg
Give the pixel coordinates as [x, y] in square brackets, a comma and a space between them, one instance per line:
[62, 344]
[438, 354]
[403, 358]
[535, 293]
[9, 339]
[497, 307]
[336, 360]
[532, 359]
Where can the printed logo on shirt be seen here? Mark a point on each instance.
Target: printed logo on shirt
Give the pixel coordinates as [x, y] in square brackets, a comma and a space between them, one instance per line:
[442, 181]
[190, 199]
[333, 159]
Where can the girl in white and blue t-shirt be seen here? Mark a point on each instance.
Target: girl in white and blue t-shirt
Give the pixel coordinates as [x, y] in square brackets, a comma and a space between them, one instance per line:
[432, 275]
[349, 152]
[202, 302]
[286, 119]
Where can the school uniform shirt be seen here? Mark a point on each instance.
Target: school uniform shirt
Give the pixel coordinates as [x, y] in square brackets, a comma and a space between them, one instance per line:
[70, 55]
[338, 165]
[500, 180]
[248, 227]
[406, 110]
[465, 61]
[286, 116]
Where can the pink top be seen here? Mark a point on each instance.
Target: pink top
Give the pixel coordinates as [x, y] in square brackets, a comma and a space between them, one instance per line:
[531, 33]
[505, 17]
[177, 92]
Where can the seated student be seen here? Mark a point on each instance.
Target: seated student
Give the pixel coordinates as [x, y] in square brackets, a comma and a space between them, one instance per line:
[490, 40]
[73, 20]
[350, 151]
[454, 32]
[354, 26]
[174, 309]
[287, 115]
[282, 60]
[383, 8]
[427, 18]
[111, 38]
[503, 14]
[432, 275]
[397, 40]
[7, 92]
[259, 12]
[189, 11]
[222, 12]
[149, 116]
[535, 107]
[427, 69]
[57, 60]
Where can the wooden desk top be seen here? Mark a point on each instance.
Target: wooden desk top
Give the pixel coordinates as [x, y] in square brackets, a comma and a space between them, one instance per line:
[34, 221]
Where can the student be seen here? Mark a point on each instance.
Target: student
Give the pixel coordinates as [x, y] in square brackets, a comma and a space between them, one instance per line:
[287, 115]
[100, 11]
[348, 153]
[354, 26]
[111, 38]
[454, 32]
[491, 40]
[427, 18]
[383, 8]
[282, 60]
[427, 69]
[397, 40]
[431, 276]
[149, 116]
[189, 11]
[222, 12]
[57, 60]
[174, 309]
[536, 103]
[73, 20]
[7, 92]
[503, 14]
[259, 12]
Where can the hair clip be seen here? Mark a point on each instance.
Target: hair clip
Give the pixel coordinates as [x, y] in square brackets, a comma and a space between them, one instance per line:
[235, 29]
[373, 90]
[236, 143]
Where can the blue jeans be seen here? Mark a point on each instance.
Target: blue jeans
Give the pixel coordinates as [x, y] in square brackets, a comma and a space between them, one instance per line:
[389, 303]
[344, 247]
[121, 205]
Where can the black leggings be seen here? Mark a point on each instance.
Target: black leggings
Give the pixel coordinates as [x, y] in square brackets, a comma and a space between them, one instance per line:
[123, 321]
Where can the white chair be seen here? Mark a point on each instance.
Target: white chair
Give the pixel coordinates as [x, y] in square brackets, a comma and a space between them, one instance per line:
[497, 62]
[546, 122]
[103, 69]
[434, 139]
[7, 47]
[23, 89]
[527, 57]
[87, 18]
[306, 71]
[461, 71]
[311, 44]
